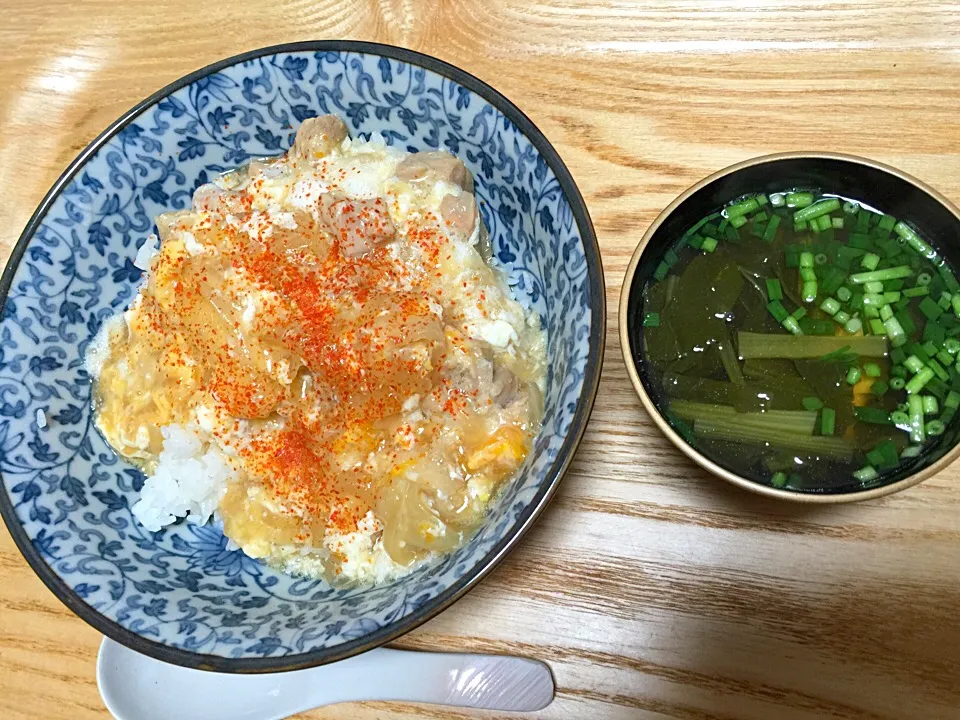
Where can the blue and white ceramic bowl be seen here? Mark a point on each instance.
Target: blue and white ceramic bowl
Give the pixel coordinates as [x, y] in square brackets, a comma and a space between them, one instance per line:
[180, 595]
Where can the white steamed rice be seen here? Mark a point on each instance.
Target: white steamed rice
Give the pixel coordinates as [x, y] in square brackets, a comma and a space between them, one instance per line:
[189, 481]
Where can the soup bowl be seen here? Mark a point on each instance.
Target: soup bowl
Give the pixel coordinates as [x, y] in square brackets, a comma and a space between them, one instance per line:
[183, 595]
[871, 183]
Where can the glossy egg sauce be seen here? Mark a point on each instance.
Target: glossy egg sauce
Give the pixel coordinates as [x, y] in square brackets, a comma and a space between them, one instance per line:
[330, 324]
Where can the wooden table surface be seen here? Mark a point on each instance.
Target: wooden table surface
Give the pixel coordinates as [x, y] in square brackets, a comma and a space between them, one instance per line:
[652, 590]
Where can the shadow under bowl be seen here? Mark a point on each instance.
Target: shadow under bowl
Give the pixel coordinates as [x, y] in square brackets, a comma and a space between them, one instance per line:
[873, 184]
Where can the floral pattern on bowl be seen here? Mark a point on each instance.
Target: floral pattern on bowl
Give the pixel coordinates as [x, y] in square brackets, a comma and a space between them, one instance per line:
[181, 594]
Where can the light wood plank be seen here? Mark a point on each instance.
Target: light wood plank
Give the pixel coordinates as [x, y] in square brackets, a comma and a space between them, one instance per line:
[652, 590]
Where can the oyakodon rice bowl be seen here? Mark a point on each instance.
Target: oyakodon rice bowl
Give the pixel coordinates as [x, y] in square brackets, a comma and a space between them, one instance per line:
[184, 594]
[323, 355]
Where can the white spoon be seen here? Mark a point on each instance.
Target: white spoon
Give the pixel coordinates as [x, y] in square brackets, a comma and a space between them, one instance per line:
[136, 687]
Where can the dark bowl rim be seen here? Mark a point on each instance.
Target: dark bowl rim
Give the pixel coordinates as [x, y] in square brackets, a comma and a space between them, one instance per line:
[555, 472]
[623, 320]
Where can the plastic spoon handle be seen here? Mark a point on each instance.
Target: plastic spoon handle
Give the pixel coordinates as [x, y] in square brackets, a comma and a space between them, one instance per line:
[136, 687]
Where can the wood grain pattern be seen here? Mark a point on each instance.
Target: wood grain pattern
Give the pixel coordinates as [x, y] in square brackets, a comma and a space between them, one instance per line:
[653, 590]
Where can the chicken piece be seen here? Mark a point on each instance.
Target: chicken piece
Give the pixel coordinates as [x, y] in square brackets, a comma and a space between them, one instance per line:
[433, 166]
[318, 136]
[213, 199]
[360, 225]
[459, 215]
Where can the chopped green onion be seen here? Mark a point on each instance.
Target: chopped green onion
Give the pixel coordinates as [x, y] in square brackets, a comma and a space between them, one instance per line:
[938, 370]
[897, 383]
[778, 311]
[808, 274]
[812, 403]
[830, 306]
[771, 230]
[828, 419]
[900, 419]
[911, 451]
[877, 327]
[917, 291]
[816, 210]
[906, 322]
[792, 325]
[913, 364]
[809, 291]
[874, 287]
[955, 302]
[779, 479]
[853, 325]
[874, 275]
[853, 375]
[844, 294]
[916, 419]
[842, 317]
[774, 290]
[930, 406]
[837, 223]
[799, 313]
[872, 369]
[949, 279]
[744, 207]
[924, 278]
[875, 457]
[914, 240]
[709, 245]
[738, 222]
[778, 200]
[895, 332]
[919, 381]
[799, 199]
[872, 415]
[651, 319]
[945, 300]
[953, 400]
[850, 207]
[887, 451]
[806, 260]
[865, 474]
[935, 427]
[930, 309]
[823, 223]
[951, 345]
